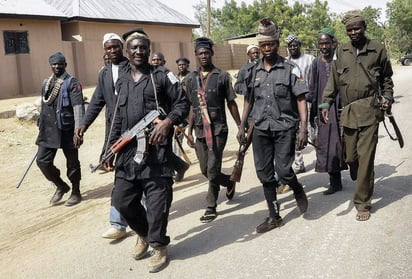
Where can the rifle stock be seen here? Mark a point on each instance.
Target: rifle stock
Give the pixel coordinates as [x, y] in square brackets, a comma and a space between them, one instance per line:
[179, 144]
[238, 167]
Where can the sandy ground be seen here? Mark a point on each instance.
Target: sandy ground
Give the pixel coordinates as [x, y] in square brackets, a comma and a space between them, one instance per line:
[41, 241]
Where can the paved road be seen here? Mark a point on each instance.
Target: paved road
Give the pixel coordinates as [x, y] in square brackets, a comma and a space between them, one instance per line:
[326, 242]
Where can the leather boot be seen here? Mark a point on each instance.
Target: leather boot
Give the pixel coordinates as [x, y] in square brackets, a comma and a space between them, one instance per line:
[75, 196]
[159, 259]
[141, 247]
[269, 224]
[58, 195]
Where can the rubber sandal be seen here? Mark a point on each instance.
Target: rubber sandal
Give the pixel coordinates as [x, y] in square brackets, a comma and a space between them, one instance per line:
[209, 216]
[363, 215]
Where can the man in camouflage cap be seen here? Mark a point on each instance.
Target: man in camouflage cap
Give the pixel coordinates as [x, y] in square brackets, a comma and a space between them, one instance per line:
[362, 73]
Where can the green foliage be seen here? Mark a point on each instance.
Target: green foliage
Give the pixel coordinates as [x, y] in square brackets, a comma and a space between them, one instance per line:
[399, 31]
[305, 19]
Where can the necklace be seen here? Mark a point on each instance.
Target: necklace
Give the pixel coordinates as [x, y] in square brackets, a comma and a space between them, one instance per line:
[56, 89]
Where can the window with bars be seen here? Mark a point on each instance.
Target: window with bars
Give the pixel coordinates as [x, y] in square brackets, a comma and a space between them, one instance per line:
[16, 42]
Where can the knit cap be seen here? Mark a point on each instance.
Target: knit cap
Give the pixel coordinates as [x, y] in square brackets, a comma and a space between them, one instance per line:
[57, 57]
[267, 31]
[111, 36]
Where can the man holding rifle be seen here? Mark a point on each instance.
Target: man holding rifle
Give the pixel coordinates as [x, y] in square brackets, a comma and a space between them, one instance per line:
[209, 89]
[277, 95]
[143, 168]
[362, 73]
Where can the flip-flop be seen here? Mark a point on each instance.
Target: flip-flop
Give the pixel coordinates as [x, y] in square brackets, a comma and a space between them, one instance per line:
[363, 215]
[209, 216]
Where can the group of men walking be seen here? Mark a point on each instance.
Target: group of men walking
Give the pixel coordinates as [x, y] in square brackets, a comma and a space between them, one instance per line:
[342, 85]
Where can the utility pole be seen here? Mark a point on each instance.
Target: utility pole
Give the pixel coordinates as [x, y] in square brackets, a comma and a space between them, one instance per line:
[208, 19]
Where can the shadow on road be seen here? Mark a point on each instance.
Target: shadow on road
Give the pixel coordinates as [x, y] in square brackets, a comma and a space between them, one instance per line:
[205, 238]
[389, 188]
[99, 192]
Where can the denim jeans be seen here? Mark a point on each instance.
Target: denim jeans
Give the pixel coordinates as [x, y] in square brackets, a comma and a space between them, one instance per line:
[117, 220]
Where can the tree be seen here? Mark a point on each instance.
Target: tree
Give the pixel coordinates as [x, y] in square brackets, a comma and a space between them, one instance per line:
[399, 15]
[201, 16]
[374, 28]
[305, 21]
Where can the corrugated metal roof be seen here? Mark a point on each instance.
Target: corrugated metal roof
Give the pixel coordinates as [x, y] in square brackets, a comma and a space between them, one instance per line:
[29, 7]
[150, 11]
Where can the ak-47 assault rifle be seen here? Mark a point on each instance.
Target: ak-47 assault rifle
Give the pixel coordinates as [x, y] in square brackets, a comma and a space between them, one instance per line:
[127, 136]
[238, 167]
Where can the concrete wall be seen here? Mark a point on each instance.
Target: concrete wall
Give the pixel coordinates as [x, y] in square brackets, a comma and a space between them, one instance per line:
[81, 43]
[22, 74]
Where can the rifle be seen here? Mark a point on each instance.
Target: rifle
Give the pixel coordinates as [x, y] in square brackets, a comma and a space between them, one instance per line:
[179, 144]
[238, 167]
[27, 169]
[127, 136]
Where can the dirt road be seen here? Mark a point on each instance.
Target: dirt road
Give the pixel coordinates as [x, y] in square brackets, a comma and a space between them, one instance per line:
[40, 241]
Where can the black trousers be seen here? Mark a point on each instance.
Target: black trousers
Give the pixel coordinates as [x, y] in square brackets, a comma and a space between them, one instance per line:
[210, 163]
[152, 221]
[279, 147]
[45, 161]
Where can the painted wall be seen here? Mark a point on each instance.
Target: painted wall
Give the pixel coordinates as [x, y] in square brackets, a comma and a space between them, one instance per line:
[22, 74]
[81, 43]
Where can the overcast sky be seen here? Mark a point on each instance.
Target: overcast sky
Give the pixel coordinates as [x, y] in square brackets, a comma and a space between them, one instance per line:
[338, 6]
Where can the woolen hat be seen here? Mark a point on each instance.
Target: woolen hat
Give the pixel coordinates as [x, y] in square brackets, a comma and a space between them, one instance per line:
[267, 31]
[111, 36]
[352, 16]
[57, 57]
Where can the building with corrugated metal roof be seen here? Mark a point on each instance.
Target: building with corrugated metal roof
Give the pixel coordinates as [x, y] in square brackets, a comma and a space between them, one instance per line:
[34, 29]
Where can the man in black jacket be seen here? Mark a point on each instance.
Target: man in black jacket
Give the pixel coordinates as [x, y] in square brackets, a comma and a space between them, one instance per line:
[105, 95]
[62, 108]
[210, 89]
[253, 54]
[277, 94]
[143, 88]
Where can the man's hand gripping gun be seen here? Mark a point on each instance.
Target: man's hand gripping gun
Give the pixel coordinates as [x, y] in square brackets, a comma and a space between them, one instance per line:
[138, 131]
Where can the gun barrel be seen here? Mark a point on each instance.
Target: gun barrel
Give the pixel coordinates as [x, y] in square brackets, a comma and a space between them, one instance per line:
[26, 171]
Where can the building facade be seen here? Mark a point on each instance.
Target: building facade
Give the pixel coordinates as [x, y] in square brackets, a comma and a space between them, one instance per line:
[34, 29]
